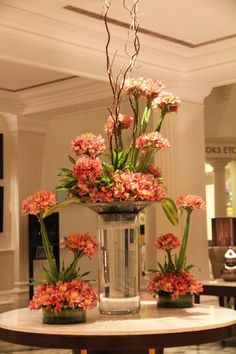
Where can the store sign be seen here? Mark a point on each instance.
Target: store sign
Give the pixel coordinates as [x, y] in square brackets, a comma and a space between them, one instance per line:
[220, 148]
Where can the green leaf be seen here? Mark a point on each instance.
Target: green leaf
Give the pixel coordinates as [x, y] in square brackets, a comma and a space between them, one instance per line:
[122, 157]
[64, 169]
[47, 275]
[161, 267]
[84, 274]
[145, 118]
[72, 160]
[188, 267]
[171, 211]
[32, 281]
[152, 270]
[63, 204]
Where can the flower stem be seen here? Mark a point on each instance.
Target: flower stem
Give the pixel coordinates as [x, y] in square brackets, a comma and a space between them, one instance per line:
[145, 117]
[158, 127]
[170, 261]
[135, 130]
[181, 258]
[48, 251]
[70, 272]
[144, 161]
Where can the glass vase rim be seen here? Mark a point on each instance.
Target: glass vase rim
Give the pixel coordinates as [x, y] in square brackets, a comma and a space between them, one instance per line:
[126, 206]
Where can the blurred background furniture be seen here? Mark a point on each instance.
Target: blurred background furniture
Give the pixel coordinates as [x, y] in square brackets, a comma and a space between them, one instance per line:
[225, 290]
[216, 256]
[224, 231]
[221, 288]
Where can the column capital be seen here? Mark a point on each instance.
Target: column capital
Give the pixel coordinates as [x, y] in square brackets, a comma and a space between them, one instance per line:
[19, 123]
[219, 164]
[188, 91]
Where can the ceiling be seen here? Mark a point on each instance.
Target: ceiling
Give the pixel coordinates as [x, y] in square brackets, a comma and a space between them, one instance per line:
[192, 23]
[16, 77]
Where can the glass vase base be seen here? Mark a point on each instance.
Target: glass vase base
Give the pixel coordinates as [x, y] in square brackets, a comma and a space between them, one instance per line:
[183, 301]
[119, 306]
[66, 316]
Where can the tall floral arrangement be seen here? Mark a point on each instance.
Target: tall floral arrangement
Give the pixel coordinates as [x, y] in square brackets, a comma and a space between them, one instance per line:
[174, 277]
[65, 288]
[125, 172]
[122, 171]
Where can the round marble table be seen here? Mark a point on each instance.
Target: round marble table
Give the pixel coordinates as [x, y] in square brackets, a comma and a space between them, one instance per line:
[151, 328]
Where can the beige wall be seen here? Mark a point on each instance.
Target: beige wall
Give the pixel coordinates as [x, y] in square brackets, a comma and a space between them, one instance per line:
[5, 237]
[220, 112]
[220, 127]
[6, 250]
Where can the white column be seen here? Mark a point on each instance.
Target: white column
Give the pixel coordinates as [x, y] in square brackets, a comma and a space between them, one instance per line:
[182, 167]
[25, 178]
[232, 167]
[219, 187]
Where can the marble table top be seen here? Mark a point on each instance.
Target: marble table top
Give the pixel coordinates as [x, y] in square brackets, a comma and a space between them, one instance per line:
[150, 320]
[219, 282]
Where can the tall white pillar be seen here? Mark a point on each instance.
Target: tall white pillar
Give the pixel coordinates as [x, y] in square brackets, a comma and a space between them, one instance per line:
[219, 187]
[27, 143]
[232, 167]
[183, 171]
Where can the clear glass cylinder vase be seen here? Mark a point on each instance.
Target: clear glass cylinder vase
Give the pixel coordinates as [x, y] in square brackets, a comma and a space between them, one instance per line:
[119, 263]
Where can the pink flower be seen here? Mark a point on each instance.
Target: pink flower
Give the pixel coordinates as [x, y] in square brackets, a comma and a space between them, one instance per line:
[73, 294]
[101, 194]
[137, 186]
[125, 185]
[167, 241]
[85, 243]
[37, 202]
[166, 101]
[155, 170]
[139, 87]
[174, 284]
[190, 201]
[151, 141]
[88, 144]
[123, 122]
[109, 125]
[87, 169]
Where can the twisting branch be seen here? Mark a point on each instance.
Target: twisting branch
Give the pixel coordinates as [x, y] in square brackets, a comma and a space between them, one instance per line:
[134, 27]
[117, 83]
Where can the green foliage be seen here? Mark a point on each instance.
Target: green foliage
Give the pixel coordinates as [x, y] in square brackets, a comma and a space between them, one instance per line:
[171, 211]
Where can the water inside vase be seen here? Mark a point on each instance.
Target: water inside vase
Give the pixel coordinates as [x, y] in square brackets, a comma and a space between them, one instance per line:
[119, 265]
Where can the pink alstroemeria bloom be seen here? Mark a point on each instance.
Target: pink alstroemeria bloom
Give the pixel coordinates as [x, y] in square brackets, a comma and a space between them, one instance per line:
[85, 243]
[174, 284]
[155, 170]
[167, 242]
[137, 186]
[166, 101]
[123, 122]
[87, 169]
[38, 201]
[190, 201]
[139, 87]
[73, 294]
[88, 144]
[151, 141]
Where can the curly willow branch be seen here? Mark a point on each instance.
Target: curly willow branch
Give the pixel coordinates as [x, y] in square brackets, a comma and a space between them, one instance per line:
[117, 83]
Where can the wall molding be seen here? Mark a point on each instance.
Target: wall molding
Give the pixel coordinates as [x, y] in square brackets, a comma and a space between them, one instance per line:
[77, 48]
